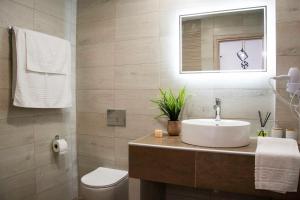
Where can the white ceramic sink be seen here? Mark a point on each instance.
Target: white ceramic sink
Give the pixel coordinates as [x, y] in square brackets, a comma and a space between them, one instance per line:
[212, 133]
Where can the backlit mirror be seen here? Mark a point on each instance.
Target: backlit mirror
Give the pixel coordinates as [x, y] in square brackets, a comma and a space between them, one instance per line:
[223, 41]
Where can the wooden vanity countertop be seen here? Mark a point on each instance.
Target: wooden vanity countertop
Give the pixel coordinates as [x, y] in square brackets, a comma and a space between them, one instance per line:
[174, 142]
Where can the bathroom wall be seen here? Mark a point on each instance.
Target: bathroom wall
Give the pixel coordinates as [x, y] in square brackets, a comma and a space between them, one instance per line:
[125, 52]
[28, 168]
[288, 53]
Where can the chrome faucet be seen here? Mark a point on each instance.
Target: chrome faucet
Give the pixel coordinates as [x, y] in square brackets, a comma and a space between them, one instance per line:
[217, 108]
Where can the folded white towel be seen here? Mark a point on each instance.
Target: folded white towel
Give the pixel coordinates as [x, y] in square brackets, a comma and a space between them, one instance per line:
[45, 53]
[39, 87]
[277, 164]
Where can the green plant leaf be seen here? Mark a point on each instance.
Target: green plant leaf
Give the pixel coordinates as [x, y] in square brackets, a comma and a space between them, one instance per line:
[169, 104]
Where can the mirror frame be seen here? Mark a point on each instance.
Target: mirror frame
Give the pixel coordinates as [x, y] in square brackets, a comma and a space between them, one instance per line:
[181, 17]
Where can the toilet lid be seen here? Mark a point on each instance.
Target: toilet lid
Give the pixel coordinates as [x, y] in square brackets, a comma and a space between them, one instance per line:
[103, 177]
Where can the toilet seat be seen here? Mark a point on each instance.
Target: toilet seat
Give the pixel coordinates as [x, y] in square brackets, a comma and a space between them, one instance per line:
[103, 177]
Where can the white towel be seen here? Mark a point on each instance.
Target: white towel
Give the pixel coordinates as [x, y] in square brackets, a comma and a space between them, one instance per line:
[40, 87]
[45, 53]
[277, 164]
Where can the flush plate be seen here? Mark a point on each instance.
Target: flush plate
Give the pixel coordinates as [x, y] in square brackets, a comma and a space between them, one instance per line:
[116, 118]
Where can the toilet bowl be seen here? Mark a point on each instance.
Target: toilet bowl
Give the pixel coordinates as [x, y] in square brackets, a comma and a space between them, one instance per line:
[105, 184]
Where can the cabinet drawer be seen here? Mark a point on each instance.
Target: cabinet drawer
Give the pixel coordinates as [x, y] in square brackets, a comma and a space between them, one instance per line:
[162, 165]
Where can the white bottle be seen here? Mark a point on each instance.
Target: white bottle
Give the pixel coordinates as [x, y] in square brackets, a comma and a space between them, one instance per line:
[292, 134]
[277, 132]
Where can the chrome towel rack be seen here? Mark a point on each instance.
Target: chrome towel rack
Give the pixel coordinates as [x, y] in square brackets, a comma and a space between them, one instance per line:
[10, 29]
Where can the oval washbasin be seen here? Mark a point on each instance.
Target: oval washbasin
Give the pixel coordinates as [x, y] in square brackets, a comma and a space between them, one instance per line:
[212, 133]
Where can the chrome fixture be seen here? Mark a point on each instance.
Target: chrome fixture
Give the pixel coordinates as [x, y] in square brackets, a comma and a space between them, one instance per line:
[217, 108]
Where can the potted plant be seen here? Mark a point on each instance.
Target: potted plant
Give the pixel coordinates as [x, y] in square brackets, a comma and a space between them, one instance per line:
[170, 107]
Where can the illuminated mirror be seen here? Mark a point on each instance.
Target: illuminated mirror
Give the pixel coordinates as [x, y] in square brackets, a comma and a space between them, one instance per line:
[223, 41]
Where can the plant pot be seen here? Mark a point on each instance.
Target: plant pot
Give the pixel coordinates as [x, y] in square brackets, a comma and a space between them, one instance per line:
[174, 128]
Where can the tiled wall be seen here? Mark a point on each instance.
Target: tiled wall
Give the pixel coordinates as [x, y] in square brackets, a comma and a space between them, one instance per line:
[125, 54]
[288, 52]
[28, 168]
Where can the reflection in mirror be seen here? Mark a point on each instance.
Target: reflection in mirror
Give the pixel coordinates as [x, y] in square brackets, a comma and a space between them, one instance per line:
[223, 41]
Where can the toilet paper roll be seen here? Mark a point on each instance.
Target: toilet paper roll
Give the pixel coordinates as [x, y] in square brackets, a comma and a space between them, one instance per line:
[60, 146]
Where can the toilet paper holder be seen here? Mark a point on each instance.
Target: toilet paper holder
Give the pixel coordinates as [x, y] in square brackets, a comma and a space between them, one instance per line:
[59, 145]
[55, 138]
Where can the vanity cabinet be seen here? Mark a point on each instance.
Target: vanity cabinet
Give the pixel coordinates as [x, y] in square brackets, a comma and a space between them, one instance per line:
[161, 164]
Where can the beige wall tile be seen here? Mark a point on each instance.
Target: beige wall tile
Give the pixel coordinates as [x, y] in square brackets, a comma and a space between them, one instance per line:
[29, 3]
[4, 43]
[168, 79]
[126, 8]
[288, 42]
[44, 154]
[16, 132]
[166, 26]
[252, 101]
[134, 189]
[178, 4]
[168, 52]
[14, 14]
[51, 25]
[101, 54]
[21, 186]
[95, 78]
[96, 101]
[285, 62]
[128, 28]
[90, 33]
[5, 76]
[93, 124]
[287, 11]
[72, 39]
[95, 10]
[139, 126]
[199, 104]
[26, 134]
[47, 127]
[140, 51]
[121, 152]
[98, 147]
[292, 124]
[59, 192]
[57, 8]
[16, 160]
[143, 76]
[51, 175]
[136, 101]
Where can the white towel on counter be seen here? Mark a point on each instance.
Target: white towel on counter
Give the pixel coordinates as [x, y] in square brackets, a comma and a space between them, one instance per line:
[41, 80]
[277, 164]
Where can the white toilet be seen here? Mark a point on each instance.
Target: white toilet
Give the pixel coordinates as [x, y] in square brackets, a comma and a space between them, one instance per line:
[105, 184]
